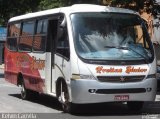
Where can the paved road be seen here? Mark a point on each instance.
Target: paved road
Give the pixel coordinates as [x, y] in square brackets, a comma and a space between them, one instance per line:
[48, 107]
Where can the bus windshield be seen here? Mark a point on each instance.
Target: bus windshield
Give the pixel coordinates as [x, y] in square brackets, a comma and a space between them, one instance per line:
[111, 36]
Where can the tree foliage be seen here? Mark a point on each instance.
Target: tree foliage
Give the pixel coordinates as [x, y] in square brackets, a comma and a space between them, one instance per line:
[48, 4]
[10, 8]
[133, 4]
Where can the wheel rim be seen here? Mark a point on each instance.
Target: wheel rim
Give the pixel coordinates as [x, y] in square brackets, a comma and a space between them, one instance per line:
[23, 91]
[64, 97]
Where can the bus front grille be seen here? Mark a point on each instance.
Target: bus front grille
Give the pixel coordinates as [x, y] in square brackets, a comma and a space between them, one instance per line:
[119, 91]
[120, 79]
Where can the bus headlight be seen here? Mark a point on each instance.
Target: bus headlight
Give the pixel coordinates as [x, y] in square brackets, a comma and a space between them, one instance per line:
[81, 76]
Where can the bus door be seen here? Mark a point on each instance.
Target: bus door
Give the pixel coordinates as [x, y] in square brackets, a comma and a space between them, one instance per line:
[59, 50]
[62, 49]
[51, 72]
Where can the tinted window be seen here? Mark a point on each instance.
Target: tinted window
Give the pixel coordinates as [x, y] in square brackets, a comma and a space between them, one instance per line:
[28, 28]
[42, 26]
[13, 36]
[39, 42]
[14, 30]
[12, 44]
[111, 36]
[63, 43]
[25, 43]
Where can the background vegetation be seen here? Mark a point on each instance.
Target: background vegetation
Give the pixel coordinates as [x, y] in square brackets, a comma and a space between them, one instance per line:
[10, 8]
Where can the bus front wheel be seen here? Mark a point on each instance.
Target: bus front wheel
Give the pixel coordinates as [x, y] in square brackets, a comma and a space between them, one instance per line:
[63, 98]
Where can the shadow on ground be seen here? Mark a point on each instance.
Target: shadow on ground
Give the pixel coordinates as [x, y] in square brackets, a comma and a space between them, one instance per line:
[103, 109]
[45, 100]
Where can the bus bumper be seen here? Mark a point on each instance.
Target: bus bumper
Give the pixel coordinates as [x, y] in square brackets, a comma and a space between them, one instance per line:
[92, 91]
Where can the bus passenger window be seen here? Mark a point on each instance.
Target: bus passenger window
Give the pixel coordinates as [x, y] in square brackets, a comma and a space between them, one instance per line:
[39, 41]
[13, 36]
[25, 43]
[12, 44]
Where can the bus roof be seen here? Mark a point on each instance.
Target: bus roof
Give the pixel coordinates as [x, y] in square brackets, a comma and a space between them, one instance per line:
[73, 9]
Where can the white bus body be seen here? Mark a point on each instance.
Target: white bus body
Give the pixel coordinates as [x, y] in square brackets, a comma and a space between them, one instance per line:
[92, 54]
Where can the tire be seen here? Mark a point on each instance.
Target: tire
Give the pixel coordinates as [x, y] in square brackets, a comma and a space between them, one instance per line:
[25, 93]
[63, 98]
[135, 105]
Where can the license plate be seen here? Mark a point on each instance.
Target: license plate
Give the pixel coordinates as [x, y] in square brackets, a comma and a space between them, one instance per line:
[121, 97]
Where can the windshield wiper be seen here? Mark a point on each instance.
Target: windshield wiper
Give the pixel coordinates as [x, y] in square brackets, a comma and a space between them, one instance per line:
[118, 47]
[128, 48]
[145, 58]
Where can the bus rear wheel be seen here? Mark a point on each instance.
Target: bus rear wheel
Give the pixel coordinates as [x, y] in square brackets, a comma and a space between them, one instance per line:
[135, 105]
[25, 93]
[63, 98]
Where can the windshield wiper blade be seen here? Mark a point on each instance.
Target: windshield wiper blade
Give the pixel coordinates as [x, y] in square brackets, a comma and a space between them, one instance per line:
[128, 48]
[117, 47]
[110, 46]
[145, 59]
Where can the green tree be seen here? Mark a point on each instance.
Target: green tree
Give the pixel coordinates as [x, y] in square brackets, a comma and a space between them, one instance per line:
[132, 4]
[10, 8]
[48, 4]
